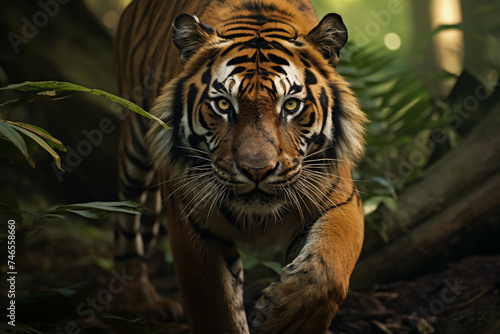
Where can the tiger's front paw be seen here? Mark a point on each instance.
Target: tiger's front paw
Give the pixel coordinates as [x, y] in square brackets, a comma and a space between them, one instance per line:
[303, 301]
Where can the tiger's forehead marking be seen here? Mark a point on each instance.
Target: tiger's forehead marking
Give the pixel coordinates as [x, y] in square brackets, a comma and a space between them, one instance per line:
[259, 29]
[260, 58]
[258, 81]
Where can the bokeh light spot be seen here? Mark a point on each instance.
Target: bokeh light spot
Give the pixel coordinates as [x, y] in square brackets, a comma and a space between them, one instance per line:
[392, 41]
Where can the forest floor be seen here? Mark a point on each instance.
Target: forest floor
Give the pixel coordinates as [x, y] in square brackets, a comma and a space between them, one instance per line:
[462, 296]
[64, 273]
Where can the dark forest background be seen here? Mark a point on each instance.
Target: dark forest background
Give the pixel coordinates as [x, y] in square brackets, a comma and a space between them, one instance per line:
[426, 73]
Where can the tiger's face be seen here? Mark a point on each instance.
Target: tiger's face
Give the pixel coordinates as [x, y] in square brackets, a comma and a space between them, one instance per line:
[260, 117]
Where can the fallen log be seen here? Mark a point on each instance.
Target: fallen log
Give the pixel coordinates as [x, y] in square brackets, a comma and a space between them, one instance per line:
[454, 204]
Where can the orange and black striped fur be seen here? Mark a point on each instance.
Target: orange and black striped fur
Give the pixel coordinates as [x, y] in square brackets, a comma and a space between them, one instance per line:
[264, 133]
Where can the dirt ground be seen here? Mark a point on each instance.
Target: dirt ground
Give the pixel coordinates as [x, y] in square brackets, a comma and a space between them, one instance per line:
[57, 277]
[461, 297]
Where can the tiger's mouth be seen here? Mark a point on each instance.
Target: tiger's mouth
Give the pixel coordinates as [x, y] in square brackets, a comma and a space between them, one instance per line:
[256, 204]
[254, 197]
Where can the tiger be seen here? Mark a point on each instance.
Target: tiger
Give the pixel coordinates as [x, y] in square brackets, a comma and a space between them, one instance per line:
[264, 132]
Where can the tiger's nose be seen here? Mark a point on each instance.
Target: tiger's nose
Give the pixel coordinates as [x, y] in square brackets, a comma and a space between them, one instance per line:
[257, 174]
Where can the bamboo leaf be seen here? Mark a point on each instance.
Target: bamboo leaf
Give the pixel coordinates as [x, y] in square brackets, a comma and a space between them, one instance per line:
[54, 143]
[43, 144]
[56, 86]
[9, 132]
[97, 210]
[90, 214]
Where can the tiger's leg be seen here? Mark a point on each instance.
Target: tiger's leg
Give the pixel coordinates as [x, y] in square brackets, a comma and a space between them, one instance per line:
[210, 275]
[315, 282]
[150, 222]
[139, 297]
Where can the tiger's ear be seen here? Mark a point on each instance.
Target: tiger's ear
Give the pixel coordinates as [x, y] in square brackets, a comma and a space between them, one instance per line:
[190, 34]
[329, 36]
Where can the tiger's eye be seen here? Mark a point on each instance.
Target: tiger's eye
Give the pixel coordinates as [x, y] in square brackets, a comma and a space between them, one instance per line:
[223, 104]
[291, 105]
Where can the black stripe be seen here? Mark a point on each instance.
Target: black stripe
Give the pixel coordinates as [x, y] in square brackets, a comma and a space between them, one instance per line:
[279, 69]
[274, 30]
[298, 242]
[218, 86]
[336, 206]
[232, 36]
[295, 89]
[334, 185]
[278, 60]
[231, 47]
[310, 78]
[241, 60]
[237, 281]
[280, 47]
[141, 164]
[147, 237]
[231, 261]
[127, 234]
[236, 277]
[303, 58]
[242, 22]
[208, 235]
[259, 7]
[148, 220]
[312, 119]
[178, 154]
[286, 38]
[336, 114]
[130, 180]
[237, 70]
[359, 198]
[323, 101]
[138, 145]
[130, 192]
[242, 28]
[269, 90]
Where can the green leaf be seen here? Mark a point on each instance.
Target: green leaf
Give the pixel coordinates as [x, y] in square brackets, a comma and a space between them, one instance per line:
[97, 210]
[124, 206]
[53, 142]
[249, 262]
[57, 86]
[90, 214]
[9, 132]
[42, 143]
[371, 204]
[69, 291]
[381, 181]
[275, 266]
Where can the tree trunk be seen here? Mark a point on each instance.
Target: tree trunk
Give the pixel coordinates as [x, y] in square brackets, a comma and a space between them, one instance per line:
[482, 45]
[442, 51]
[441, 215]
